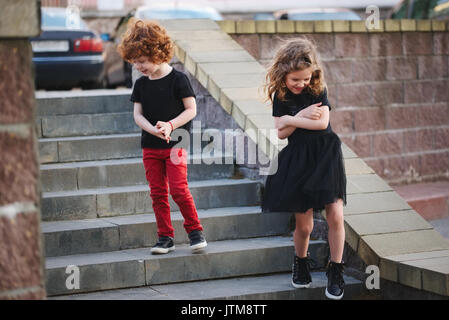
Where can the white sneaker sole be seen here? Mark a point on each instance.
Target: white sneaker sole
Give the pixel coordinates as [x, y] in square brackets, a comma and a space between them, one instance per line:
[331, 296]
[198, 246]
[162, 250]
[300, 286]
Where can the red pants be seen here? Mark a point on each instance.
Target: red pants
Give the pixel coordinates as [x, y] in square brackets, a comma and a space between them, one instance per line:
[164, 168]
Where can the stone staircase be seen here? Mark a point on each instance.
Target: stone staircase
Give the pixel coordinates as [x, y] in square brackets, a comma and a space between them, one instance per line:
[97, 215]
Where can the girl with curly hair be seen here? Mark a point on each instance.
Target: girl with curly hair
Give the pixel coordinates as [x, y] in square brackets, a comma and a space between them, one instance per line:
[163, 102]
[311, 172]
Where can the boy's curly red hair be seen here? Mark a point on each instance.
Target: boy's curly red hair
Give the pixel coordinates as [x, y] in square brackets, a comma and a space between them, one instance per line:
[146, 38]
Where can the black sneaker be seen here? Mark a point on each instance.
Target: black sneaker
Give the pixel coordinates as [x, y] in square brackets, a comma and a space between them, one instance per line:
[335, 282]
[197, 240]
[164, 245]
[301, 277]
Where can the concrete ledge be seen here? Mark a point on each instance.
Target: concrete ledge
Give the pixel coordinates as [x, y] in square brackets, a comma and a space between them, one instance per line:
[330, 26]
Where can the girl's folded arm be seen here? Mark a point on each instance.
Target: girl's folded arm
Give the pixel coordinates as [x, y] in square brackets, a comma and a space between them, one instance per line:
[304, 123]
[285, 131]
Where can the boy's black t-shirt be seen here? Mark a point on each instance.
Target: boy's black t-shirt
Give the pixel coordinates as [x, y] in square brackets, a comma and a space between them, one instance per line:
[161, 100]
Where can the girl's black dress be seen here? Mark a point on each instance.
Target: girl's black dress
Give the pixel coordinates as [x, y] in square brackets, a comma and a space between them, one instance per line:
[310, 169]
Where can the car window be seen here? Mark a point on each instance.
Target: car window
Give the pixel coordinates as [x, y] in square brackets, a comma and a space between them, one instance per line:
[324, 16]
[58, 20]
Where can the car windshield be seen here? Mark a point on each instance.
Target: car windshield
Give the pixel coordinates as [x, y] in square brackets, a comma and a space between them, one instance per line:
[324, 16]
[60, 19]
[177, 14]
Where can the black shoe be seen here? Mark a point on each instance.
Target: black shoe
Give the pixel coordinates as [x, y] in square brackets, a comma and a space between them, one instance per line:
[197, 240]
[164, 245]
[301, 277]
[335, 282]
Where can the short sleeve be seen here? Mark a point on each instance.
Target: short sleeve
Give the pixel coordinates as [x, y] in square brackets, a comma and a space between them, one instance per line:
[183, 87]
[279, 107]
[323, 98]
[135, 95]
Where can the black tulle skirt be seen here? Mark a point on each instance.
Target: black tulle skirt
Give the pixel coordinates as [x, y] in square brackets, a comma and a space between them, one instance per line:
[310, 174]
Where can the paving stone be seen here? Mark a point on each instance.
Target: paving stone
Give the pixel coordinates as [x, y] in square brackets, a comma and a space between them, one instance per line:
[231, 68]
[363, 183]
[245, 26]
[387, 222]
[189, 24]
[389, 265]
[268, 26]
[355, 166]
[208, 45]
[347, 152]
[400, 243]
[228, 26]
[199, 35]
[362, 203]
[220, 56]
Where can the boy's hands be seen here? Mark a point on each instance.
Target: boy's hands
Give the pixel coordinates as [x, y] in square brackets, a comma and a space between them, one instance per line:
[312, 112]
[164, 129]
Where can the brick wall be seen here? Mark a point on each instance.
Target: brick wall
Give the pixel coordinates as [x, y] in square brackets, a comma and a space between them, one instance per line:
[390, 90]
[21, 254]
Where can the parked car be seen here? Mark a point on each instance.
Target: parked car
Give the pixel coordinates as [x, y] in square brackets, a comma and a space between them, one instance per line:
[317, 14]
[66, 54]
[119, 72]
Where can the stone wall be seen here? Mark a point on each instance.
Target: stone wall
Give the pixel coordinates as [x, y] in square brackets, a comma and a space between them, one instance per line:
[21, 258]
[390, 89]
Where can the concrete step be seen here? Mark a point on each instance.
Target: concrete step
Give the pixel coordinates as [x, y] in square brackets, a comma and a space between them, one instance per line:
[138, 267]
[119, 146]
[136, 231]
[125, 172]
[56, 103]
[112, 146]
[267, 287]
[86, 124]
[127, 200]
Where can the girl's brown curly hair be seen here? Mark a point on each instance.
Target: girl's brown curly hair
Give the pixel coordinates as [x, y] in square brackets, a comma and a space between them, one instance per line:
[294, 55]
[145, 38]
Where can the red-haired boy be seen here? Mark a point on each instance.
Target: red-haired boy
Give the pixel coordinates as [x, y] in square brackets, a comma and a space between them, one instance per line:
[163, 101]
